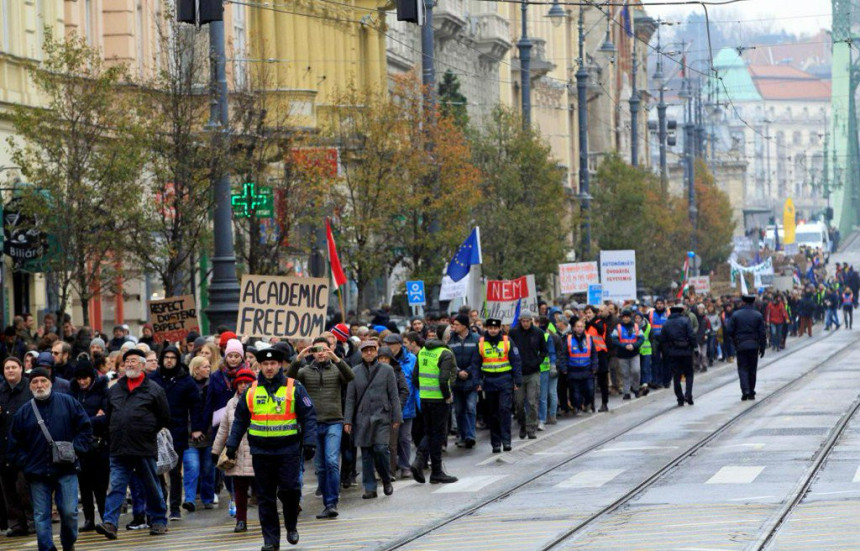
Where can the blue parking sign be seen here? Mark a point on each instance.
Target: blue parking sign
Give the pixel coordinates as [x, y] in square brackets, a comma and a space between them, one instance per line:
[415, 293]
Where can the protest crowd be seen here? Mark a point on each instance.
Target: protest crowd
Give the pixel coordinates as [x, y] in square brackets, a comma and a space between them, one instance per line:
[127, 432]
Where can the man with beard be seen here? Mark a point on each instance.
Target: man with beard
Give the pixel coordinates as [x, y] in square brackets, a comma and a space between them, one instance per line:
[49, 418]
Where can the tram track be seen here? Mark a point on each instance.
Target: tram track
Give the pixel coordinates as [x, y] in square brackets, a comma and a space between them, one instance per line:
[437, 526]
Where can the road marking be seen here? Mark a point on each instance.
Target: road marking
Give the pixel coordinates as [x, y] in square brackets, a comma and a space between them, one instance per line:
[637, 449]
[469, 484]
[752, 497]
[712, 523]
[734, 474]
[833, 493]
[590, 479]
[757, 446]
[856, 475]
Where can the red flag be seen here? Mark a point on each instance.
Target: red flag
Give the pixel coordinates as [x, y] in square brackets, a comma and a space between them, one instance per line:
[336, 269]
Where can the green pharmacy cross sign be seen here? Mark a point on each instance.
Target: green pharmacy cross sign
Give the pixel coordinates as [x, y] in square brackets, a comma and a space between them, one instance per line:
[253, 201]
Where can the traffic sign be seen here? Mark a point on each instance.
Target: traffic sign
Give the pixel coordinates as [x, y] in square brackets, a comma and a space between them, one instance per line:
[595, 294]
[415, 293]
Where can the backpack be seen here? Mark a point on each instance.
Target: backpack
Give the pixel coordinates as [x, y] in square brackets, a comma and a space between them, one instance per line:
[167, 456]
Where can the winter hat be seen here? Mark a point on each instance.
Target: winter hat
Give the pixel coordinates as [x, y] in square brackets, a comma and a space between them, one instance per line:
[225, 337]
[462, 319]
[45, 359]
[244, 375]
[190, 337]
[233, 345]
[84, 369]
[39, 372]
[98, 341]
[341, 332]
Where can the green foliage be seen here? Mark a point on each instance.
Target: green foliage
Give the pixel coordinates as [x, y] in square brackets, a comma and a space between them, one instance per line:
[629, 211]
[81, 151]
[715, 226]
[523, 215]
[452, 103]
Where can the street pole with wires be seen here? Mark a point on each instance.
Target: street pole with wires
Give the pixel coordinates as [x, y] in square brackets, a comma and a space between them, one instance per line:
[525, 47]
[582, 112]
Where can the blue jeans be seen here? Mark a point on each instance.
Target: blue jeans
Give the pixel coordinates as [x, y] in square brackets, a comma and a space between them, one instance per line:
[138, 496]
[465, 408]
[197, 465]
[65, 490]
[548, 404]
[832, 317]
[121, 469]
[326, 461]
[645, 369]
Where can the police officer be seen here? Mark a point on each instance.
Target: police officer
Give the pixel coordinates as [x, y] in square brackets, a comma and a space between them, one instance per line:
[678, 340]
[748, 331]
[281, 423]
[501, 374]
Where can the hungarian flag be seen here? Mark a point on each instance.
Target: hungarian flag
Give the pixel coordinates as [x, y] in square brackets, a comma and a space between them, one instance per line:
[336, 269]
[686, 277]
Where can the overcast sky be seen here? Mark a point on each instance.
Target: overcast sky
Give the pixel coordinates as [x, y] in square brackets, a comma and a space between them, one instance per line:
[795, 16]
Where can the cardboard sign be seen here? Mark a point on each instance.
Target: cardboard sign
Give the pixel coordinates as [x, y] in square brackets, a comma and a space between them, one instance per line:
[502, 297]
[173, 318]
[702, 284]
[618, 275]
[283, 307]
[577, 276]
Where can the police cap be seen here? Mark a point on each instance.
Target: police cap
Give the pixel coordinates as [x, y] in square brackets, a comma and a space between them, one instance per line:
[493, 322]
[269, 354]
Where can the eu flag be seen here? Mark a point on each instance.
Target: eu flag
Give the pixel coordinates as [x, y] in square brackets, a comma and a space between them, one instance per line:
[469, 253]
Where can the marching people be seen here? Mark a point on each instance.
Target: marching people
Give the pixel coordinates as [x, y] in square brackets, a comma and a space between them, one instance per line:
[372, 411]
[406, 359]
[747, 330]
[660, 375]
[14, 394]
[532, 346]
[464, 344]
[197, 466]
[678, 341]
[280, 420]
[627, 338]
[323, 379]
[241, 472]
[46, 439]
[579, 367]
[501, 375]
[386, 356]
[595, 326]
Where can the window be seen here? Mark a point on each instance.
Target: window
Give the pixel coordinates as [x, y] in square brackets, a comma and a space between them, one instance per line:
[5, 25]
[797, 138]
[88, 22]
[239, 45]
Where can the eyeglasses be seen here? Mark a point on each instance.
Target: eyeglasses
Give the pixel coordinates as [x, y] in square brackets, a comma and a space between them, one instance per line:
[55, 353]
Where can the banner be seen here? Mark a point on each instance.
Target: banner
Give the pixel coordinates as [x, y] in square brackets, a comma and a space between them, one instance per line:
[577, 276]
[282, 307]
[618, 275]
[788, 222]
[702, 284]
[502, 297]
[451, 289]
[173, 318]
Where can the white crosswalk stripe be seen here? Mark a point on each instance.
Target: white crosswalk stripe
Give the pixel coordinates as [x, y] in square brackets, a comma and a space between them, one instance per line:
[734, 474]
[590, 479]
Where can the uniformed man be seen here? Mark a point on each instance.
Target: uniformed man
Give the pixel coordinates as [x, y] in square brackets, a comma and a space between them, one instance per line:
[501, 374]
[435, 369]
[678, 340]
[279, 417]
[748, 331]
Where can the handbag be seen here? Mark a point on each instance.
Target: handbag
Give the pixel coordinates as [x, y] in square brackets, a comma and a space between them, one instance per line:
[167, 456]
[62, 453]
[224, 462]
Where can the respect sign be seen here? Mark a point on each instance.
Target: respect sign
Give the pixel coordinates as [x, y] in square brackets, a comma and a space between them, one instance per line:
[173, 318]
[575, 277]
[282, 307]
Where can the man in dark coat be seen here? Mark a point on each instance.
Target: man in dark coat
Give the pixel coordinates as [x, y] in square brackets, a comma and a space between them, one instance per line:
[45, 360]
[64, 420]
[14, 394]
[183, 397]
[678, 340]
[532, 346]
[748, 331]
[137, 411]
[372, 411]
[464, 345]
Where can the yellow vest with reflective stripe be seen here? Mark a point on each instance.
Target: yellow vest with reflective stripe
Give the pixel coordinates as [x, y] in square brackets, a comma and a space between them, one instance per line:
[544, 365]
[495, 359]
[428, 374]
[272, 416]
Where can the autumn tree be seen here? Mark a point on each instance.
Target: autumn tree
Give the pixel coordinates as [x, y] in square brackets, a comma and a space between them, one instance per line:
[523, 208]
[183, 157]
[630, 211]
[81, 151]
[714, 224]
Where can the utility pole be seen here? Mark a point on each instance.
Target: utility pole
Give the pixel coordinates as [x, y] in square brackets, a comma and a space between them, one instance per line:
[525, 47]
[661, 112]
[767, 158]
[688, 158]
[582, 112]
[634, 104]
[224, 289]
[428, 71]
[825, 168]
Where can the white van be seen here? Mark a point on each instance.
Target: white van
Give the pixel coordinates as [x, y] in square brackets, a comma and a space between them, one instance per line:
[813, 235]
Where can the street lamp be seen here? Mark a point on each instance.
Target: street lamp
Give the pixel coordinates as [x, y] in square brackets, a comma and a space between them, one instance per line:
[525, 47]
[556, 14]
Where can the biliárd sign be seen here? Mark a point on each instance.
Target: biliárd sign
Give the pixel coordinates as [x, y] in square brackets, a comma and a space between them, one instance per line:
[282, 307]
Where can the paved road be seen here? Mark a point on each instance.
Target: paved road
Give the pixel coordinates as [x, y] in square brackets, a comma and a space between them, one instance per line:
[720, 497]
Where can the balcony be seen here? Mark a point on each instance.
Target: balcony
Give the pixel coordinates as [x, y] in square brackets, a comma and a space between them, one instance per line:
[492, 37]
[449, 19]
[539, 66]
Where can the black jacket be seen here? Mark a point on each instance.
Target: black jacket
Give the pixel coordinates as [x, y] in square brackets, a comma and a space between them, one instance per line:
[11, 400]
[532, 347]
[747, 329]
[678, 337]
[65, 420]
[468, 359]
[94, 399]
[134, 418]
[183, 397]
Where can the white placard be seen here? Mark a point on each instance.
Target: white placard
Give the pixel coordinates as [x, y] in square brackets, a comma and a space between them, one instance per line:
[702, 284]
[618, 275]
[575, 277]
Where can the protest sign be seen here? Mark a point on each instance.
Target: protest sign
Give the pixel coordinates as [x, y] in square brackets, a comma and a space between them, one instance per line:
[618, 275]
[502, 297]
[282, 307]
[577, 276]
[595, 294]
[173, 318]
[702, 284]
[451, 289]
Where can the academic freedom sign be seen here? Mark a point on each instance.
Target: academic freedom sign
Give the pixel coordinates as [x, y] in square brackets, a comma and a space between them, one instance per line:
[282, 307]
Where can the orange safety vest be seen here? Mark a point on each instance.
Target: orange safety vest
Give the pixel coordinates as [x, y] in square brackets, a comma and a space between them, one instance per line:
[599, 340]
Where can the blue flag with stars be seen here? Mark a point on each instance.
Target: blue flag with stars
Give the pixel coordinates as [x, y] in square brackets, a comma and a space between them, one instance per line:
[468, 254]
